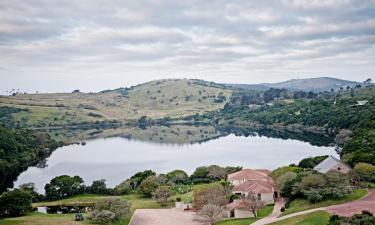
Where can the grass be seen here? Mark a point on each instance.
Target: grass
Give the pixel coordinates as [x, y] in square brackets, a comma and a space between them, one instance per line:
[298, 205]
[156, 99]
[136, 200]
[315, 218]
[246, 221]
[41, 219]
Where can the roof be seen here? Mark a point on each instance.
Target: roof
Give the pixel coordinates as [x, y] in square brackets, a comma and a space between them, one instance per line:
[257, 187]
[249, 174]
[236, 204]
[327, 164]
[362, 102]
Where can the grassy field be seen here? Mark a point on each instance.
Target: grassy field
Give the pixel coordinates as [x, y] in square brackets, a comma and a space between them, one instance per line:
[315, 218]
[298, 205]
[155, 99]
[246, 221]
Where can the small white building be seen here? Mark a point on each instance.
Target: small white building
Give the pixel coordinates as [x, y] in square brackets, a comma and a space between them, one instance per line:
[332, 164]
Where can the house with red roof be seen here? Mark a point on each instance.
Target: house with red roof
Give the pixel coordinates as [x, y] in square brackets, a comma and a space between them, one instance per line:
[248, 181]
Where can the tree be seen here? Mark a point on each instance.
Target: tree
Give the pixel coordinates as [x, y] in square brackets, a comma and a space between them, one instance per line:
[15, 203]
[123, 188]
[283, 179]
[98, 187]
[30, 188]
[216, 172]
[209, 194]
[161, 194]
[148, 186]
[212, 213]
[110, 209]
[64, 186]
[137, 178]
[365, 171]
[311, 162]
[177, 176]
[252, 203]
[200, 175]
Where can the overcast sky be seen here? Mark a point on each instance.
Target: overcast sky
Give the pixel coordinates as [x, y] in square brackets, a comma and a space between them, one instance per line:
[50, 46]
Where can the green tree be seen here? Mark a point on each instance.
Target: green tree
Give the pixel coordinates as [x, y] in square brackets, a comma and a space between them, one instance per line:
[177, 176]
[64, 186]
[15, 203]
[148, 186]
[98, 187]
[365, 171]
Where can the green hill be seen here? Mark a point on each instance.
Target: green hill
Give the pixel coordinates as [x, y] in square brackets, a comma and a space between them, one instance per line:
[310, 84]
[155, 99]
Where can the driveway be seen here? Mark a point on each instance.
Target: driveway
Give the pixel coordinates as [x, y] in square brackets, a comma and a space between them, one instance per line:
[355, 207]
[346, 209]
[163, 217]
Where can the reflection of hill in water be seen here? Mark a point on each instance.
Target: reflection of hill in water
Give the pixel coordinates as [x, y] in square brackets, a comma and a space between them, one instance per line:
[177, 134]
[316, 139]
[187, 134]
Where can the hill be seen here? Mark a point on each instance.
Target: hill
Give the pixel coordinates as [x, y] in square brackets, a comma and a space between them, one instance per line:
[319, 84]
[155, 99]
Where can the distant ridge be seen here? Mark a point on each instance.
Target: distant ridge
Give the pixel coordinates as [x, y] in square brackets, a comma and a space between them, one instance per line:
[309, 84]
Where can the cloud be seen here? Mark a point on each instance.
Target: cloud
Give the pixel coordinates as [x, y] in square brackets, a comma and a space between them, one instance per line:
[252, 41]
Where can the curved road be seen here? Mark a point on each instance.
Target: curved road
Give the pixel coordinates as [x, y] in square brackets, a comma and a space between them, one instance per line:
[346, 209]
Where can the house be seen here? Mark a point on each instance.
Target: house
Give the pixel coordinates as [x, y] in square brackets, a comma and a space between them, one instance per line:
[248, 181]
[359, 103]
[332, 164]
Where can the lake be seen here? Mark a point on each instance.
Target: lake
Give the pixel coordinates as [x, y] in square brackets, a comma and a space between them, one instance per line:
[118, 158]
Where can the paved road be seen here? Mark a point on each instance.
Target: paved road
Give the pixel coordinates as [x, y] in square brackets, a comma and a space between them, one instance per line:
[346, 209]
[355, 207]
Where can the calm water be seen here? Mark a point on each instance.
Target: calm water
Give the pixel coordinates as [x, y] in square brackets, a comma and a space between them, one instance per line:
[116, 159]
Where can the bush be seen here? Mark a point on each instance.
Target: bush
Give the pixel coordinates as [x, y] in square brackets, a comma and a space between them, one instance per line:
[110, 209]
[161, 194]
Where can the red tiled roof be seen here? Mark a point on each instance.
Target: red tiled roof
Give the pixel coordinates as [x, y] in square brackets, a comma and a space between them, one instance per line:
[236, 204]
[257, 186]
[249, 174]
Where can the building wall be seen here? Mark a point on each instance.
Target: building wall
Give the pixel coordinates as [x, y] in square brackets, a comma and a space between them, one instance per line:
[343, 168]
[242, 213]
[267, 198]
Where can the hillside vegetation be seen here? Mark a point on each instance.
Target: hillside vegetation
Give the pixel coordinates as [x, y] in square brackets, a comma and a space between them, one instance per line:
[19, 149]
[155, 99]
[319, 84]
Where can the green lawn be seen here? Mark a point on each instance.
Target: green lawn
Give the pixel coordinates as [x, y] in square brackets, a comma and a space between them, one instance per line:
[41, 219]
[315, 218]
[298, 205]
[246, 221]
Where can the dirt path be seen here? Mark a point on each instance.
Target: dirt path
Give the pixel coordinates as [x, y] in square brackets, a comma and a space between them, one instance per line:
[345, 209]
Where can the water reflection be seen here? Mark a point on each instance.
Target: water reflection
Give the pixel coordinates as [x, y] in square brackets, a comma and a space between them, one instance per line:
[117, 158]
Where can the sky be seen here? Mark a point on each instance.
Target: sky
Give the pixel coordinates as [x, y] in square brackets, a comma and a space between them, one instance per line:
[92, 45]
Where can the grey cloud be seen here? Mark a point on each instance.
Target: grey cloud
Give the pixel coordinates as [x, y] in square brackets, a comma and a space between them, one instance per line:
[220, 37]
